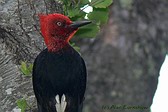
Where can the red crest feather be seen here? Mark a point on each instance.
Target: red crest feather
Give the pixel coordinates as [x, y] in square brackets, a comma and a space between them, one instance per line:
[43, 26]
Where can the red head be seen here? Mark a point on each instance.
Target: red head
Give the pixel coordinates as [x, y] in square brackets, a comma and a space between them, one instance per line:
[58, 29]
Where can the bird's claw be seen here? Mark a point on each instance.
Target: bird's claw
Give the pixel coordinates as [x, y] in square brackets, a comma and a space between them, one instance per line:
[60, 106]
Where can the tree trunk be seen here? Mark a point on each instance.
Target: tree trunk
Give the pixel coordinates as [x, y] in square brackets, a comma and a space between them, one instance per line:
[123, 62]
[20, 40]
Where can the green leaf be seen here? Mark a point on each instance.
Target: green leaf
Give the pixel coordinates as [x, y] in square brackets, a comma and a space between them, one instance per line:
[75, 47]
[73, 12]
[99, 15]
[23, 68]
[30, 67]
[88, 31]
[101, 3]
[22, 104]
[65, 2]
[81, 15]
[26, 68]
[84, 2]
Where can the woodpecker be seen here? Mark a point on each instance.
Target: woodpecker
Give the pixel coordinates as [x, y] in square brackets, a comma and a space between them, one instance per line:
[59, 72]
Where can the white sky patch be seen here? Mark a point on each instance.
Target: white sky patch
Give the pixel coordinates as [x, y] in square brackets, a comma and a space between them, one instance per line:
[87, 8]
[160, 100]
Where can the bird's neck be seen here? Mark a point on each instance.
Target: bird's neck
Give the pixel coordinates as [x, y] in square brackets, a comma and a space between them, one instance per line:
[56, 44]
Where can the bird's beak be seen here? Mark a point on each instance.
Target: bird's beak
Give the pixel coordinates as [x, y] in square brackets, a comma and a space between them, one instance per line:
[78, 24]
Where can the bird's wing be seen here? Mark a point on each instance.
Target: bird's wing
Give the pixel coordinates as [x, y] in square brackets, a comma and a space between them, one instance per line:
[83, 80]
[37, 88]
[38, 80]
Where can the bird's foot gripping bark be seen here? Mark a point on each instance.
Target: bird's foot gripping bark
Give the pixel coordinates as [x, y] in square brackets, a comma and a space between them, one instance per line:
[60, 106]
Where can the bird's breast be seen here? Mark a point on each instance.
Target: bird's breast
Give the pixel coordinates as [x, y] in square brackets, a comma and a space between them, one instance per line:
[62, 71]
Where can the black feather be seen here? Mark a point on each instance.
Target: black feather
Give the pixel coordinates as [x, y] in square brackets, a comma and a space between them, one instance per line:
[61, 72]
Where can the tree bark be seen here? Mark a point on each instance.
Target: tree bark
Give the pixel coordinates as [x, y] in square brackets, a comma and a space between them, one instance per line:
[123, 62]
[20, 40]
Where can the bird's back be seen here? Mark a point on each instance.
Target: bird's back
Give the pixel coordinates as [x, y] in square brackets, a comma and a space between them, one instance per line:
[58, 73]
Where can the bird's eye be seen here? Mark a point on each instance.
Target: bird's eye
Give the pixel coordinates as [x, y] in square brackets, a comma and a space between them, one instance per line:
[59, 23]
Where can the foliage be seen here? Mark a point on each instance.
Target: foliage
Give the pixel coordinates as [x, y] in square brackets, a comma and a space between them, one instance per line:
[26, 68]
[101, 3]
[75, 47]
[99, 16]
[22, 104]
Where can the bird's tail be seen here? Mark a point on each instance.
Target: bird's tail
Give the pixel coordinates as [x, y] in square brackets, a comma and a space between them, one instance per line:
[60, 103]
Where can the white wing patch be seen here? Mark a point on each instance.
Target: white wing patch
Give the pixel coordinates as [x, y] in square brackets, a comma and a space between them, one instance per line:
[60, 106]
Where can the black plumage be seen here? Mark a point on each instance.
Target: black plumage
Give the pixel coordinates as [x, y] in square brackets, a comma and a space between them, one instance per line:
[61, 72]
